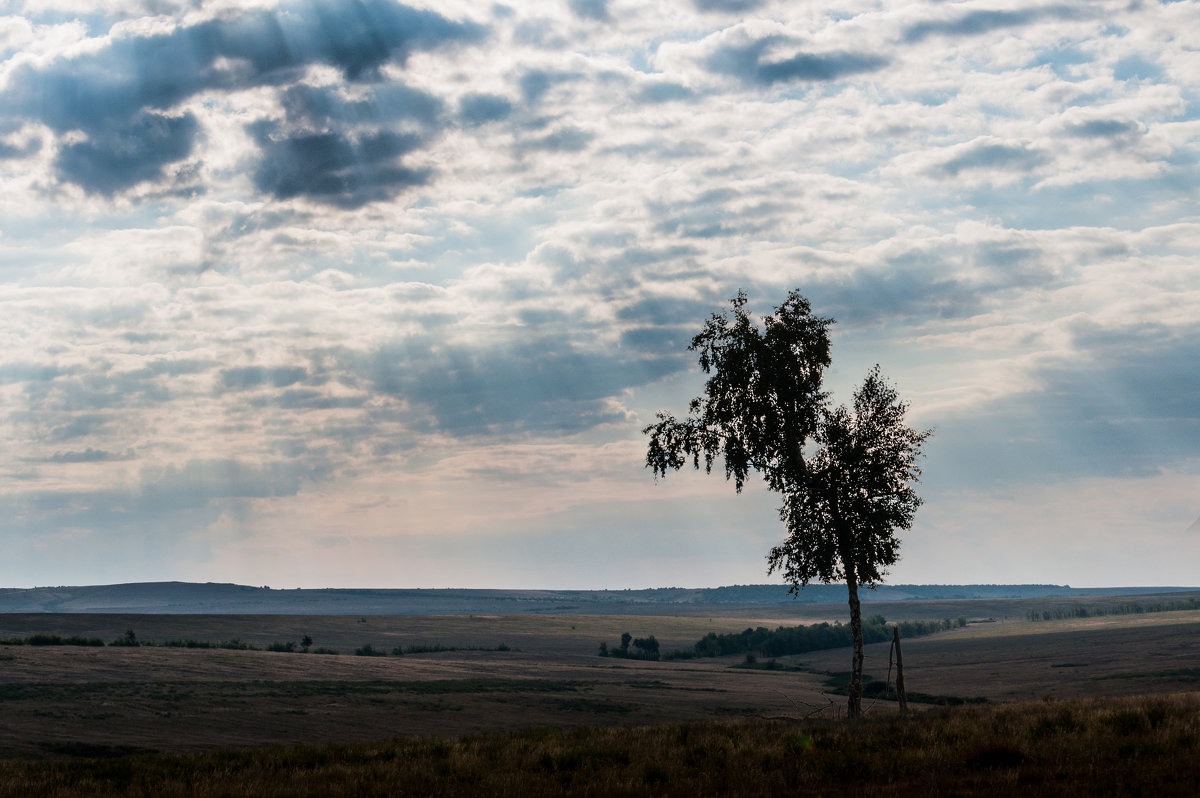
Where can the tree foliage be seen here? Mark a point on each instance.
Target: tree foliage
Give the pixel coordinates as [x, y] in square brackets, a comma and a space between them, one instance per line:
[855, 493]
[762, 401]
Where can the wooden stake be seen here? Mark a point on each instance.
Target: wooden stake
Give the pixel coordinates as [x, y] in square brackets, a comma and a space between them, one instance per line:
[899, 671]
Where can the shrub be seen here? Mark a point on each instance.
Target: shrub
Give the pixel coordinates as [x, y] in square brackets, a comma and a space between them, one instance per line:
[648, 646]
[277, 646]
[235, 645]
[324, 650]
[129, 639]
[369, 650]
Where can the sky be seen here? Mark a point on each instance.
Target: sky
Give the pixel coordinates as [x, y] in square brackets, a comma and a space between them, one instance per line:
[341, 293]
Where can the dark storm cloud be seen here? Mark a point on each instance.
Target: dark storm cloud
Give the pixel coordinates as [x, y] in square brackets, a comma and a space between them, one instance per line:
[590, 9]
[992, 156]
[975, 23]
[115, 158]
[542, 385]
[345, 153]
[316, 108]
[253, 49]
[121, 96]
[748, 63]
[479, 109]
[337, 169]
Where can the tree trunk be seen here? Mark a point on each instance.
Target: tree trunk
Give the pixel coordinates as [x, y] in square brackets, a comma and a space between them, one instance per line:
[854, 707]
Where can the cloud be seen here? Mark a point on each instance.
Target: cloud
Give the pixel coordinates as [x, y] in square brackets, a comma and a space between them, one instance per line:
[727, 6]
[978, 22]
[89, 455]
[249, 377]
[1115, 129]
[749, 63]
[664, 91]
[30, 372]
[115, 158]
[590, 9]
[1121, 403]
[538, 385]
[991, 155]
[565, 139]
[479, 109]
[340, 170]
[124, 95]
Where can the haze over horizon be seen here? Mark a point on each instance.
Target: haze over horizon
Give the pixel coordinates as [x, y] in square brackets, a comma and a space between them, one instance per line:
[350, 293]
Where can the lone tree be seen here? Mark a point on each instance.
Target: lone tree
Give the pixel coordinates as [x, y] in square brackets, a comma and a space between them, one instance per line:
[845, 495]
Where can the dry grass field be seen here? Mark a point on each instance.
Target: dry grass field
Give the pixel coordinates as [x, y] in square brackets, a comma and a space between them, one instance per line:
[123, 704]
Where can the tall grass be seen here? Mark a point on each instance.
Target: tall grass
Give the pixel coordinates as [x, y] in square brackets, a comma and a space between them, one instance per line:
[1148, 746]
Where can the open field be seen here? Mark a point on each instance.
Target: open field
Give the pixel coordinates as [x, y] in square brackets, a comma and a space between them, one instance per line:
[62, 701]
[1138, 746]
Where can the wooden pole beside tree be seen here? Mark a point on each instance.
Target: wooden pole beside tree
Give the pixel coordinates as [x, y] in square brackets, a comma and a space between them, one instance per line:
[899, 670]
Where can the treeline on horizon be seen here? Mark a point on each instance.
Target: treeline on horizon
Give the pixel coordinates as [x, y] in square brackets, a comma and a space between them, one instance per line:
[787, 640]
[779, 642]
[1120, 608]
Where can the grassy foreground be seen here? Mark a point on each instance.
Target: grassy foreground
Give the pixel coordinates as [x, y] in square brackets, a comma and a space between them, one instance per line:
[1127, 746]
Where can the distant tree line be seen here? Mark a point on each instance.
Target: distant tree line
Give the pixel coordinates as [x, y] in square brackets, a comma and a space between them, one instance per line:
[130, 639]
[787, 640]
[1122, 608]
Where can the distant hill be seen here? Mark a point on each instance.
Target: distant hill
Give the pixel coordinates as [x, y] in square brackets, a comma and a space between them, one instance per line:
[230, 599]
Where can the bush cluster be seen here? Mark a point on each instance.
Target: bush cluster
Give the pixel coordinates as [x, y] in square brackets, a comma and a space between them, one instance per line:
[51, 640]
[643, 648]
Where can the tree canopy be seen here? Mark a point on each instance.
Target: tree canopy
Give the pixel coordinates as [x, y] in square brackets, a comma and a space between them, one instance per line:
[856, 492]
[762, 401]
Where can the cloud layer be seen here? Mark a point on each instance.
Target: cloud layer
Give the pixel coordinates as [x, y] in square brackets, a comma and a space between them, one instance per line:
[392, 287]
